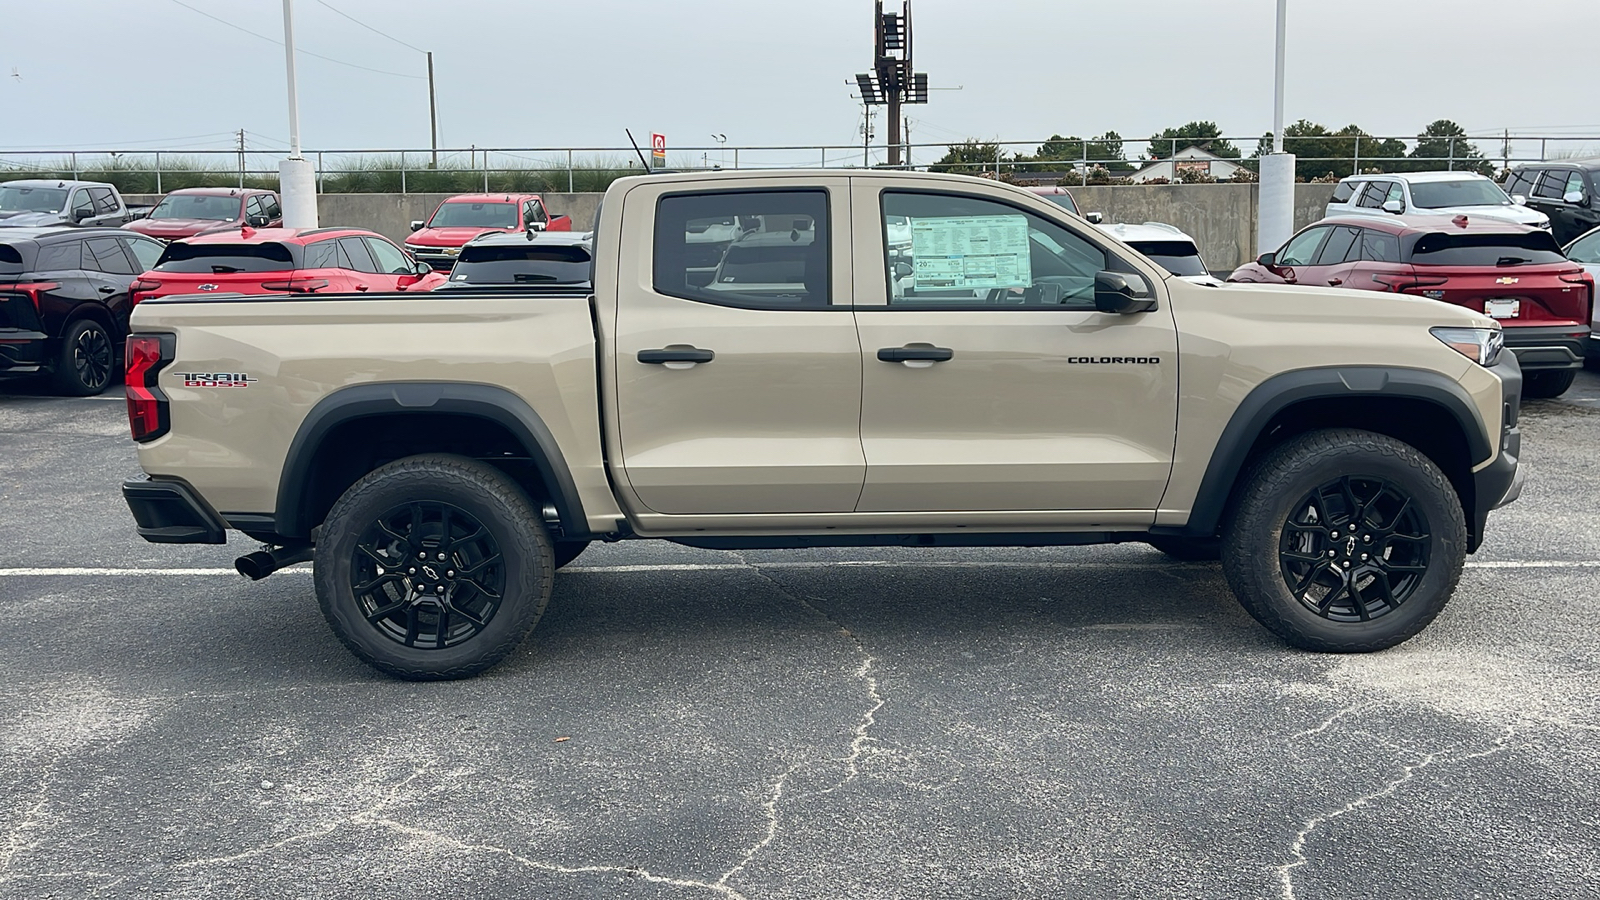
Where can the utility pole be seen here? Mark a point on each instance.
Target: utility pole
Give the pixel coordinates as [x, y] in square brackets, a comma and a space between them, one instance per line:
[241, 157]
[433, 112]
[297, 182]
[892, 82]
[1275, 192]
[867, 112]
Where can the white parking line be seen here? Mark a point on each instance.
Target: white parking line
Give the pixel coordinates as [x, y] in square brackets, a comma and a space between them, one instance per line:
[93, 572]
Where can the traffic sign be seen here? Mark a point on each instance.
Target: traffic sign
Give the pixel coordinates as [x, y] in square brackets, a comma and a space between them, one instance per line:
[658, 150]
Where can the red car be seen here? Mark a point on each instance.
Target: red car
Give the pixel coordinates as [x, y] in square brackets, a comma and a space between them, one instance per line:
[1513, 273]
[284, 260]
[459, 219]
[190, 211]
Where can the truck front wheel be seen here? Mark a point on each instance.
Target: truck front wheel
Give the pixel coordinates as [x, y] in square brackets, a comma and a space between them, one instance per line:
[433, 567]
[1345, 541]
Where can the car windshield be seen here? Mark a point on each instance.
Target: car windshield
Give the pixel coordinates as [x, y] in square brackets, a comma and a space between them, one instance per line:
[1177, 257]
[221, 259]
[462, 214]
[1063, 200]
[31, 199]
[1442, 194]
[533, 264]
[197, 206]
[1481, 249]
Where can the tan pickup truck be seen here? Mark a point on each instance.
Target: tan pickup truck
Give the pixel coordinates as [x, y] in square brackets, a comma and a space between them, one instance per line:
[814, 358]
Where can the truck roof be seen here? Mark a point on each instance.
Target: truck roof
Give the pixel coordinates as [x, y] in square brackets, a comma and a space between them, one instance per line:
[54, 183]
[220, 191]
[496, 197]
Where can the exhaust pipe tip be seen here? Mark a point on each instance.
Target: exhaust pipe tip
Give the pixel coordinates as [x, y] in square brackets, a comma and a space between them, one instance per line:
[258, 565]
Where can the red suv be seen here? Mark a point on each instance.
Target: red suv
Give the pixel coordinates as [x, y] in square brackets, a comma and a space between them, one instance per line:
[284, 260]
[1512, 273]
[190, 211]
[459, 219]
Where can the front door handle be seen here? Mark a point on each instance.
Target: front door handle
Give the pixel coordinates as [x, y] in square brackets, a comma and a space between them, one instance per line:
[903, 354]
[361, 287]
[676, 354]
[1335, 282]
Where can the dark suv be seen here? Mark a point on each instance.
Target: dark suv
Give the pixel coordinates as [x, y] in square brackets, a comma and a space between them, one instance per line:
[1565, 191]
[64, 301]
[523, 258]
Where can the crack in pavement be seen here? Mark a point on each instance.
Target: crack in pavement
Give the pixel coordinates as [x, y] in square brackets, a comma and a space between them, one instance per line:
[1409, 772]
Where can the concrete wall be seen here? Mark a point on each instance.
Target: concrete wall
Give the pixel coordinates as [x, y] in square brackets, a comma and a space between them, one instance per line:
[1221, 217]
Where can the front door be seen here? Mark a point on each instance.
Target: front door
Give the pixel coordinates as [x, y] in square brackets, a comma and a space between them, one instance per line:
[990, 380]
[738, 390]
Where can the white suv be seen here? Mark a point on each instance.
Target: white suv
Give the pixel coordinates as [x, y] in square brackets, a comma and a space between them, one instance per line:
[1168, 247]
[1430, 193]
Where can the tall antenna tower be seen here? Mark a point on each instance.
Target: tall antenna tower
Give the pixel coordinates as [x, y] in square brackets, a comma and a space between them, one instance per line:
[892, 81]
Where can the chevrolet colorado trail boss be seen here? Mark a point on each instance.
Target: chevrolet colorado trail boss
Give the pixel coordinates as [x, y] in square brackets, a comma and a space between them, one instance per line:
[873, 358]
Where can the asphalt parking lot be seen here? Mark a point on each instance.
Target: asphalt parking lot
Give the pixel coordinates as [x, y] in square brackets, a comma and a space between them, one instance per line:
[866, 723]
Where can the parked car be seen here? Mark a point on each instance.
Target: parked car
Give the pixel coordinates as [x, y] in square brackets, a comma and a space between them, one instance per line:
[64, 302]
[1062, 197]
[284, 260]
[1512, 273]
[526, 258]
[1167, 246]
[1564, 191]
[1430, 193]
[1585, 251]
[40, 202]
[439, 240]
[187, 212]
[1036, 383]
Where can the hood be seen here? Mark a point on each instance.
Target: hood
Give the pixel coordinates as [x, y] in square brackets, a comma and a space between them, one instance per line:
[1285, 304]
[176, 228]
[1521, 215]
[33, 219]
[452, 236]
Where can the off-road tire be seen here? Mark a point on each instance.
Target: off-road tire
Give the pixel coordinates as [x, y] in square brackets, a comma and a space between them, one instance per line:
[1253, 543]
[567, 551]
[1543, 385]
[87, 362]
[484, 493]
[1187, 549]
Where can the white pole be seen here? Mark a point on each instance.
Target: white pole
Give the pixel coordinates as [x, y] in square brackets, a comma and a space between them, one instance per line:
[297, 181]
[1275, 191]
[1277, 83]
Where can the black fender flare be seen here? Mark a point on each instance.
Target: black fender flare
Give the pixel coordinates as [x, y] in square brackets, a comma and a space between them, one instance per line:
[1280, 392]
[484, 401]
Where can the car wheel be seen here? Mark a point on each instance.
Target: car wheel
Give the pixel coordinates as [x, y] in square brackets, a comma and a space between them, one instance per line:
[433, 567]
[1547, 384]
[1187, 549]
[1345, 541]
[87, 360]
[567, 551]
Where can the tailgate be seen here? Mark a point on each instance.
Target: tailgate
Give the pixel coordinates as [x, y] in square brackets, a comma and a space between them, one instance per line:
[1516, 295]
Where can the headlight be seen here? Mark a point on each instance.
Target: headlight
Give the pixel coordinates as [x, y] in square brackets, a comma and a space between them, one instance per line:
[1481, 345]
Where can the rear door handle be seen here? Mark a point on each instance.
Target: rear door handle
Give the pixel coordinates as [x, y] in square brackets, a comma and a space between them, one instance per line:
[1334, 282]
[676, 354]
[361, 287]
[902, 354]
[106, 289]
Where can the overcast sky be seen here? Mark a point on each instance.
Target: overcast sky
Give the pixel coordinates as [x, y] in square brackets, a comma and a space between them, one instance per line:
[142, 74]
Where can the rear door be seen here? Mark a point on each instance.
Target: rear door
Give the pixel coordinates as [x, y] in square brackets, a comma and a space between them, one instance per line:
[990, 382]
[110, 270]
[363, 272]
[743, 394]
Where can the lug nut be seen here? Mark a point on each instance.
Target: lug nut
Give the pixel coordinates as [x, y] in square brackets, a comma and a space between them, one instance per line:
[441, 557]
[1367, 538]
[1331, 553]
[449, 573]
[1363, 556]
[1347, 564]
[422, 554]
[439, 589]
[413, 571]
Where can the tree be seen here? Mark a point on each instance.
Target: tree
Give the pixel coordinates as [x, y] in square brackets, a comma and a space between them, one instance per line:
[1445, 140]
[1205, 135]
[1105, 150]
[1320, 153]
[969, 157]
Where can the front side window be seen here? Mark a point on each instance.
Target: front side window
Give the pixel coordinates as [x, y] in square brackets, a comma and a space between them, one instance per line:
[1303, 247]
[535, 212]
[1574, 184]
[1585, 249]
[82, 203]
[389, 257]
[778, 258]
[970, 252]
[146, 252]
[252, 207]
[269, 205]
[1373, 196]
[1339, 246]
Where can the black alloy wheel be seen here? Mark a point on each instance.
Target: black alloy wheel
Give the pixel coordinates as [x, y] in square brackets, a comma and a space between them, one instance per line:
[427, 575]
[1354, 549]
[87, 359]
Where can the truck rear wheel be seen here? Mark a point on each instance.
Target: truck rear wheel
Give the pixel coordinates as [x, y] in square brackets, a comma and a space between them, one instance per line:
[433, 567]
[87, 360]
[1345, 541]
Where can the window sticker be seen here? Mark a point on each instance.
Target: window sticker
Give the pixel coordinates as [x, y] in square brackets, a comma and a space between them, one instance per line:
[970, 252]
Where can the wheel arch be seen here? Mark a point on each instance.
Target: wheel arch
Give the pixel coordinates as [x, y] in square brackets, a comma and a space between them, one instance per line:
[474, 419]
[1424, 409]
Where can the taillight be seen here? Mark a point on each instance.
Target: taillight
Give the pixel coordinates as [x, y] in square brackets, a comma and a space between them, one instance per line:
[296, 285]
[145, 356]
[1402, 283]
[1583, 278]
[141, 287]
[32, 288]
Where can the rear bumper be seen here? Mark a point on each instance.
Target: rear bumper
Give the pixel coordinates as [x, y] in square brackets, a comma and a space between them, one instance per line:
[169, 511]
[23, 352]
[1500, 482]
[1543, 347]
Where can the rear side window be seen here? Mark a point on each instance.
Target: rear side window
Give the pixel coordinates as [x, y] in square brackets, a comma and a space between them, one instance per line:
[1177, 257]
[1345, 190]
[1376, 246]
[105, 203]
[58, 257]
[355, 253]
[1512, 249]
[1339, 246]
[1521, 182]
[219, 259]
[531, 264]
[777, 259]
[107, 256]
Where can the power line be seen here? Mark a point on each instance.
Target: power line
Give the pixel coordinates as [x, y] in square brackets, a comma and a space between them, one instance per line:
[370, 28]
[280, 44]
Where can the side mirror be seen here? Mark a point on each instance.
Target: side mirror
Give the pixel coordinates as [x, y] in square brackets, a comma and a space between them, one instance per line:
[257, 221]
[1267, 259]
[421, 268]
[903, 270]
[78, 215]
[1115, 292]
[1394, 206]
[1574, 197]
[1519, 199]
[536, 226]
[1095, 218]
[416, 224]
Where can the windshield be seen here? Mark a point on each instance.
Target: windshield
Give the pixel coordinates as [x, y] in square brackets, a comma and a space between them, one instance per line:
[1441, 194]
[1514, 249]
[474, 215]
[1177, 257]
[30, 199]
[522, 265]
[197, 206]
[221, 259]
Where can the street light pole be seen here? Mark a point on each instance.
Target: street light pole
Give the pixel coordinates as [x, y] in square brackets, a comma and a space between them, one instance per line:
[1277, 83]
[433, 112]
[1275, 190]
[297, 181]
